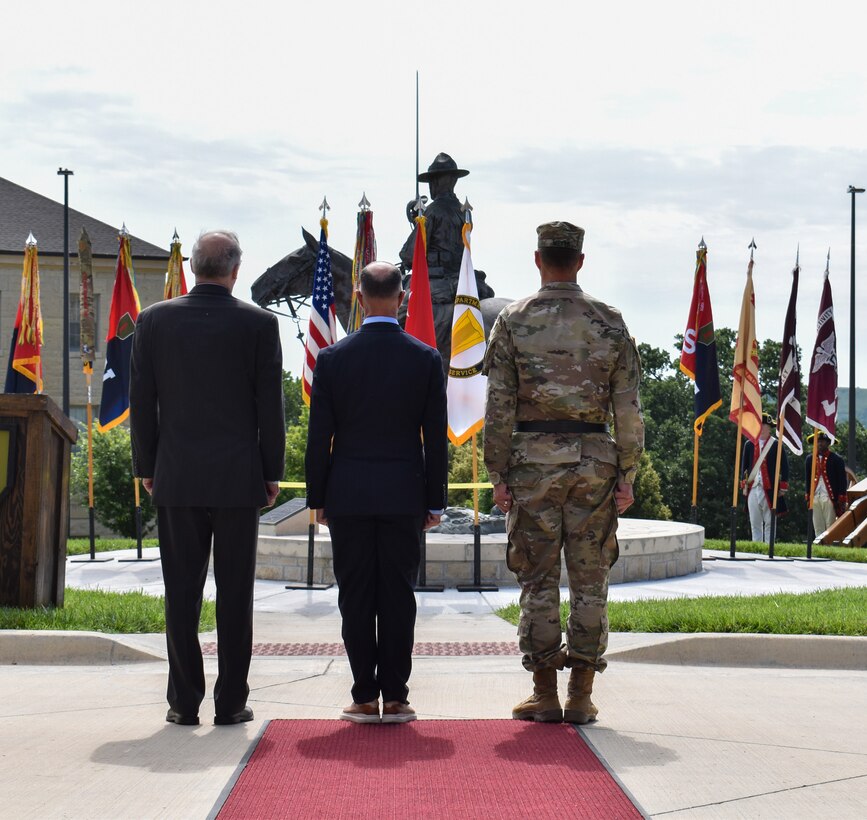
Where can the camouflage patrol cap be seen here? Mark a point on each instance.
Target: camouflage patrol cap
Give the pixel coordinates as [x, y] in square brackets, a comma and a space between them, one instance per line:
[560, 235]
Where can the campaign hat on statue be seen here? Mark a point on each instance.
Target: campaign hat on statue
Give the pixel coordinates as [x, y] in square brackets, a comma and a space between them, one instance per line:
[443, 164]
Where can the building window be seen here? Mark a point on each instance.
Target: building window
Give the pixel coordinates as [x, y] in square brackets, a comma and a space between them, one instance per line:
[75, 324]
[78, 413]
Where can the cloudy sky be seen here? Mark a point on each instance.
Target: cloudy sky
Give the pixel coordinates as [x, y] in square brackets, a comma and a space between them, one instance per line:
[651, 125]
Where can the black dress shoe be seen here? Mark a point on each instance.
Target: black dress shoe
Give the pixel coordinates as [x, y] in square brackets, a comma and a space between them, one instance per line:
[239, 717]
[182, 720]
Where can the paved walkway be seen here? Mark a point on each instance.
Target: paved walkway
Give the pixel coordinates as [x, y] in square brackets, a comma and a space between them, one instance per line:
[722, 727]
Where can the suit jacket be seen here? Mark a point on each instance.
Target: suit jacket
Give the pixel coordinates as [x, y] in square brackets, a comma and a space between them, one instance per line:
[747, 460]
[206, 400]
[380, 395]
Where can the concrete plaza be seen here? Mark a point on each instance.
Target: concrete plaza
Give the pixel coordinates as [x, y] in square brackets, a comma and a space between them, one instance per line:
[693, 726]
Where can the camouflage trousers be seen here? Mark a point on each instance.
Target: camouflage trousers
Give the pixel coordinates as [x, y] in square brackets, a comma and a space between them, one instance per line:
[568, 509]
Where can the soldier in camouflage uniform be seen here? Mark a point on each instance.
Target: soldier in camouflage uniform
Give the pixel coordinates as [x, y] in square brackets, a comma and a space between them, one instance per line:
[561, 368]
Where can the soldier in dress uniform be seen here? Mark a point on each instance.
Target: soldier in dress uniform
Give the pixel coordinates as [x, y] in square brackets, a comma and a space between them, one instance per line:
[829, 491]
[759, 465]
[562, 368]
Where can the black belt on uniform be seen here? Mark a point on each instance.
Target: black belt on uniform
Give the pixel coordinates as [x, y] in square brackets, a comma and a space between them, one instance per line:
[560, 426]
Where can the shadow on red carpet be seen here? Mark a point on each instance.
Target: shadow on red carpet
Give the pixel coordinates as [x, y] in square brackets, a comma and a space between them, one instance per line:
[498, 769]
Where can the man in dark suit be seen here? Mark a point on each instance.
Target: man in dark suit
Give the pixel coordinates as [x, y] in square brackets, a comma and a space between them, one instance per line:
[376, 468]
[208, 437]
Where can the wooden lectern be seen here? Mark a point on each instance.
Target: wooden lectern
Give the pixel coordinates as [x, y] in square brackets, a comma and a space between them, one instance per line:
[35, 443]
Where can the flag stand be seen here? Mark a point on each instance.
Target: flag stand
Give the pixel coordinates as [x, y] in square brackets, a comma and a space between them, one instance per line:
[138, 548]
[734, 521]
[694, 509]
[734, 517]
[311, 531]
[811, 534]
[477, 585]
[423, 585]
[773, 534]
[90, 512]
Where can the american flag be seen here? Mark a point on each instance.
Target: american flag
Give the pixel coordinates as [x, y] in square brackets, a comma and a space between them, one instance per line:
[322, 330]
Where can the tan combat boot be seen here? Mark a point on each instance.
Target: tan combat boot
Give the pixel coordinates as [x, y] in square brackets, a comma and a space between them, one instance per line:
[579, 708]
[544, 704]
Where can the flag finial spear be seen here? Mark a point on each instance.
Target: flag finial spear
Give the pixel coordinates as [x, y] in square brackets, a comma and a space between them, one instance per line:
[752, 246]
[123, 230]
[364, 205]
[175, 237]
[31, 240]
[420, 205]
[701, 245]
[828, 262]
[798, 256]
[467, 209]
[324, 207]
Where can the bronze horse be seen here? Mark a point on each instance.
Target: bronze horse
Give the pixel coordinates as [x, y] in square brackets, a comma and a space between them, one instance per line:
[291, 281]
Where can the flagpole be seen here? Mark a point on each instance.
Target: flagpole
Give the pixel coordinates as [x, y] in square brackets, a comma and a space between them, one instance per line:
[416, 137]
[734, 517]
[694, 511]
[475, 483]
[734, 521]
[90, 510]
[773, 535]
[305, 393]
[137, 518]
[812, 491]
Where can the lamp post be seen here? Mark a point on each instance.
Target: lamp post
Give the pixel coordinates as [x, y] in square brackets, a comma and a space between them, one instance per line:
[66, 174]
[852, 420]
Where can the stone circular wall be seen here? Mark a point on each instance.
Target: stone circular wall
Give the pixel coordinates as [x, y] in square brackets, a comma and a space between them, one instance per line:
[649, 550]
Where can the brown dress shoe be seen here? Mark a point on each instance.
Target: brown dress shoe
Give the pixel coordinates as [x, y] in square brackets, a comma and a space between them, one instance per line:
[393, 711]
[361, 712]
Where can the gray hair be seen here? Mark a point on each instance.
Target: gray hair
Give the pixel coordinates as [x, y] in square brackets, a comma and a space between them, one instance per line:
[216, 254]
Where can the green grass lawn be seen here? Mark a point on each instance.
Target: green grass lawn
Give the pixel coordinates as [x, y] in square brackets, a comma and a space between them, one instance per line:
[81, 546]
[857, 555]
[99, 611]
[828, 612]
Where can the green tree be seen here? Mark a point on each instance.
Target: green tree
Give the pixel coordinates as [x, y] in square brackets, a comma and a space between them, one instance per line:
[293, 403]
[841, 446]
[461, 472]
[297, 418]
[667, 399]
[113, 491]
[649, 502]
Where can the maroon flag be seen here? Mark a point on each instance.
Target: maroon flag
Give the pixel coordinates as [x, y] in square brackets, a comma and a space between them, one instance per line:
[822, 386]
[789, 396]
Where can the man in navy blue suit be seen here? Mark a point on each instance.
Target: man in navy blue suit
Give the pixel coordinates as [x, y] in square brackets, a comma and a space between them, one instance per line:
[376, 466]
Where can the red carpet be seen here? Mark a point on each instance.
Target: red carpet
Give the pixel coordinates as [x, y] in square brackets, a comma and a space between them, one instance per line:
[427, 769]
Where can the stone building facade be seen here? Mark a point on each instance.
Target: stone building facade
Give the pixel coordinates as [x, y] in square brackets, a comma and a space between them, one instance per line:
[23, 211]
